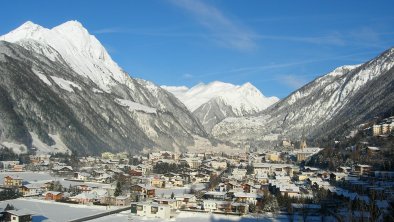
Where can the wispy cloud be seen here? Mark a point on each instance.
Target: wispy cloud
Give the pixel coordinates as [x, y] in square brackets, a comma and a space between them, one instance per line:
[110, 30]
[333, 38]
[187, 76]
[259, 69]
[293, 81]
[227, 32]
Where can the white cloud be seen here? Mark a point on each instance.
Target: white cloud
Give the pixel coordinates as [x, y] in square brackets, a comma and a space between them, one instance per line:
[293, 81]
[187, 76]
[225, 31]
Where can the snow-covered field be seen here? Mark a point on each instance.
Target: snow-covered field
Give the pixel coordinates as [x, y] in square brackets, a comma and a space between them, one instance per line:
[53, 211]
[195, 217]
[46, 211]
[42, 177]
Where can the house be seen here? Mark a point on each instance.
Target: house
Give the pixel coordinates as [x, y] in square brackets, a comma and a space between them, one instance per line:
[200, 178]
[240, 208]
[214, 195]
[31, 190]
[261, 168]
[274, 156]
[83, 188]
[53, 195]
[185, 201]
[22, 215]
[177, 182]
[239, 174]
[85, 198]
[62, 170]
[166, 201]
[8, 164]
[81, 176]
[98, 173]
[337, 176]
[143, 191]
[218, 164]
[249, 198]
[135, 173]
[262, 178]
[122, 201]
[210, 205]
[305, 153]
[216, 205]
[104, 178]
[158, 182]
[362, 169]
[373, 150]
[153, 210]
[344, 169]
[193, 163]
[108, 200]
[18, 168]
[376, 130]
[12, 181]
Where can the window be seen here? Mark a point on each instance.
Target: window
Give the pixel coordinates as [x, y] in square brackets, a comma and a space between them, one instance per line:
[154, 210]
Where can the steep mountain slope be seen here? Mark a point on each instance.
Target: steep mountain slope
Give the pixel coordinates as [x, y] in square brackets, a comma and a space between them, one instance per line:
[213, 102]
[60, 87]
[346, 95]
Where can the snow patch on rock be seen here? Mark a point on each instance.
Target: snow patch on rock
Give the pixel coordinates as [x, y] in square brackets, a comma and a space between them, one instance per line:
[135, 106]
[65, 84]
[42, 76]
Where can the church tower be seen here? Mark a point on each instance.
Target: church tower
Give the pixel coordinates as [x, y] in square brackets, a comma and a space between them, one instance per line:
[303, 141]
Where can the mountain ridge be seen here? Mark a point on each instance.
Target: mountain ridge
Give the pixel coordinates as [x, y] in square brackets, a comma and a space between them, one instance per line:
[109, 109]
[215, 101]
[312, 106]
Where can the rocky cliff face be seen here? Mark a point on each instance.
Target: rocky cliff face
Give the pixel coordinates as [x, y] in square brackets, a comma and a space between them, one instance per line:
[345, 96]
[60, 90]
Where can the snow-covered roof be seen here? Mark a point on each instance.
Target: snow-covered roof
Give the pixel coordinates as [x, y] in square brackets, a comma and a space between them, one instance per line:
[247, 195]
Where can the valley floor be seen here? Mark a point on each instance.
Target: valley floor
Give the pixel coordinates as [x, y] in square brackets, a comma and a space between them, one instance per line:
[46, 211]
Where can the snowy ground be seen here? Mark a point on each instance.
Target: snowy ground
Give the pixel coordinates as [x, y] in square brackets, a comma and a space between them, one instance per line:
[42, 177]
[53, 211]
[46, 211]
[194, 217]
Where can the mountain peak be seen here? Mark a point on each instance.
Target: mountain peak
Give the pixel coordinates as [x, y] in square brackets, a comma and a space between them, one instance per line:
[339, 71]
[28, 25]
[72, 26]
[81, 50]
[242, 97]
[74, 23]
[26, 31]
[249, 86]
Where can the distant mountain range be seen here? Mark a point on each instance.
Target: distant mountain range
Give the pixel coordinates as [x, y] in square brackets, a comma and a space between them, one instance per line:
[328, 107]
[60, 90]
[213, 102]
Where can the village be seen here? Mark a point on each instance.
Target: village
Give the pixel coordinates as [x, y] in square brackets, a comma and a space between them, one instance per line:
[164, 184]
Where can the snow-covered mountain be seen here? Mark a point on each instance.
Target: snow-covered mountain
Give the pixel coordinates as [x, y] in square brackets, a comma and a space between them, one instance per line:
[329, 105]
[60, 84]
[213, 102]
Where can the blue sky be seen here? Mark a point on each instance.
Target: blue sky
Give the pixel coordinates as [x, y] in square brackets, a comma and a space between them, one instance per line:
[276, 45]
